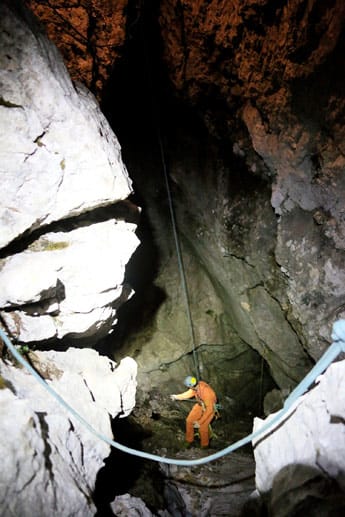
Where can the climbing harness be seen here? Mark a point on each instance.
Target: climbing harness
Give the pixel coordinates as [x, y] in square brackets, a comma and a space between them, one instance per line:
[217, 408]
[211, 432]
[338, 346]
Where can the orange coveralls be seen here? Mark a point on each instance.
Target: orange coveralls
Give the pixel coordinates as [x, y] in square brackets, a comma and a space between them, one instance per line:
[202, 412]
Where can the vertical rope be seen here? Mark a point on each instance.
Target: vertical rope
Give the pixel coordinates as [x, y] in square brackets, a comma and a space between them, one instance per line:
[170, 201]
[179, 253]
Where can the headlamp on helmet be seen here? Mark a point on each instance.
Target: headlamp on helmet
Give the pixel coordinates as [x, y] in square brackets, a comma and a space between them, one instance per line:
[190, 381]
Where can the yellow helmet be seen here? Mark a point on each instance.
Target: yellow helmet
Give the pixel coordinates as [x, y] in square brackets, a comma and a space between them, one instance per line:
[190, 381]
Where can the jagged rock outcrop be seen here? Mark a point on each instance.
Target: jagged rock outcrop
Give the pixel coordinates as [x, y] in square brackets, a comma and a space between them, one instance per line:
[59, 155]
[59, 159]
[300, 463]
[49, 459]
[67, 282]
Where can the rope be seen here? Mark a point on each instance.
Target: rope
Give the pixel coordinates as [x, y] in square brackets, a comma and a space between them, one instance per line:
[338, 346]
[179, 254]
[155, 118]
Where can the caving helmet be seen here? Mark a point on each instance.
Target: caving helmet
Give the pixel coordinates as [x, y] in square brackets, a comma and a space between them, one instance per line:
[190, 381]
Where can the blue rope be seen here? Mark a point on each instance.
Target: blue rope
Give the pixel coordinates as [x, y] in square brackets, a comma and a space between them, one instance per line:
[338, 346]
[179, 255]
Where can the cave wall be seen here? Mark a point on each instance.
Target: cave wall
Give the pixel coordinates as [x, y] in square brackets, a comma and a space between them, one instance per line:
[265, 79]
[63, 254]
[50, 460]
[236, 290]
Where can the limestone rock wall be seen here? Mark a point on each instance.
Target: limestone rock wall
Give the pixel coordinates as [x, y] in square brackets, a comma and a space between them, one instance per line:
[266, 78]
[261, 220]
[59, 160]
[300, 464]
[238, 304]
[49, 459]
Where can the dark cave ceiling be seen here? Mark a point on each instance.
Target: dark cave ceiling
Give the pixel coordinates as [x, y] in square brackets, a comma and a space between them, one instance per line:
[229, 60]
[218, 54]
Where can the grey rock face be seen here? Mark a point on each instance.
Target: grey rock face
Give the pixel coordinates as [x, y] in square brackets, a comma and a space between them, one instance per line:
[59, 156]
[67, 282]
[303, 460]
[58, 159]
[307, 196]
[126, 504]
[237, 292]
[49, 459]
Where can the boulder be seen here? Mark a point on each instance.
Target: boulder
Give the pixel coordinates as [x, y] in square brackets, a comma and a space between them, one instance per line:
[126, 504]
[67, 282]
[58, 159]
[49, 459]
[302, 458]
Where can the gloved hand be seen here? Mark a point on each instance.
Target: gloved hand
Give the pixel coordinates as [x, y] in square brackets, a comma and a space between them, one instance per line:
[173, 397]
[196, 425]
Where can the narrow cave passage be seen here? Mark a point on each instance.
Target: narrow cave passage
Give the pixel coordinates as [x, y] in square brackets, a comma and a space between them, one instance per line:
[136, 476]
[142, 108]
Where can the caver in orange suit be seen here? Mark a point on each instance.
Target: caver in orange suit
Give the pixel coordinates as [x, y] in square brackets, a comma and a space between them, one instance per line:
[202, 413]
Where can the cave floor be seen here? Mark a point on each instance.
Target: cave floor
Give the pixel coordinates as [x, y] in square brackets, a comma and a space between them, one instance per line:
[220, 487]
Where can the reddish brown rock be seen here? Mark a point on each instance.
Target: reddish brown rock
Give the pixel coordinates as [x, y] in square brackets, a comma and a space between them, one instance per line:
[251, 48]
[89, 34]
[219, 54]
